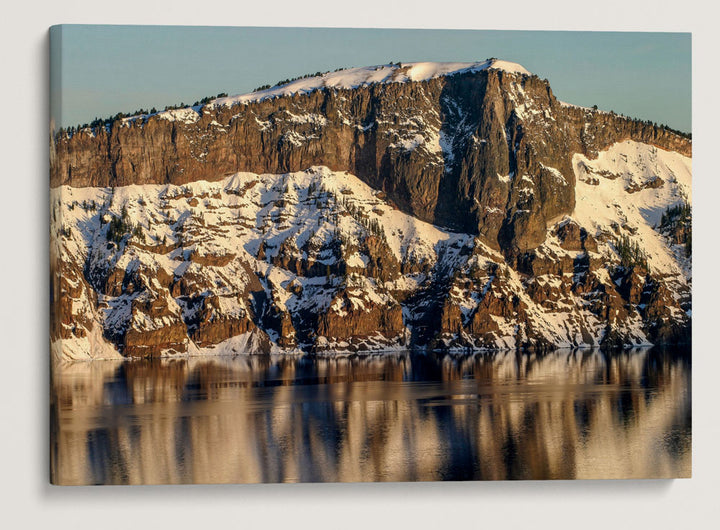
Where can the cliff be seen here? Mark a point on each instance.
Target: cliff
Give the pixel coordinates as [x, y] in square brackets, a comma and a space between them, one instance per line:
[421, 206]
[444, 149]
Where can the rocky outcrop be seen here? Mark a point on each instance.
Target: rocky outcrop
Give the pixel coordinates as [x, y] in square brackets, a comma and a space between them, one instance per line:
[357, 320]
[153, 328]
[210, 325]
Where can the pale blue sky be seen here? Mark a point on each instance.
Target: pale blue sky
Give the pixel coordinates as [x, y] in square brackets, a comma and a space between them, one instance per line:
[110, 69]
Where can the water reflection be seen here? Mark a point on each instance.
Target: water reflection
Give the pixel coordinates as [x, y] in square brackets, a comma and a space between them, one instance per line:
[397, 417]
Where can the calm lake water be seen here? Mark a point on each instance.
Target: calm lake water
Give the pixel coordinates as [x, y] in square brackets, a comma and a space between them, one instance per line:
[390, 417]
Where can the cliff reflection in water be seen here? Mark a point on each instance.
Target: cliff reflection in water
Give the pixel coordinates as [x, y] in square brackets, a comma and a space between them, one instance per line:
[380, 418]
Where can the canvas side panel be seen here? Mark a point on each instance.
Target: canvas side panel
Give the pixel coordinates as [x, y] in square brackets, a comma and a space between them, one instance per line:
[55, 227]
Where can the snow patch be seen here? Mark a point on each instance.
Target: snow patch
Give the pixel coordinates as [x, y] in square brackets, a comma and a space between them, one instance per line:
[358, 77]
[185, 115]
[604, 203]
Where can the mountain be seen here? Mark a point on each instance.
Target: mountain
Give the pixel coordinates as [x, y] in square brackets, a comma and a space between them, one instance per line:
[415, 205]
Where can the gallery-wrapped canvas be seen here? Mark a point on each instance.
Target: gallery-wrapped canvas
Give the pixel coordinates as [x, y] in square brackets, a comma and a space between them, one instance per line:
[408, 260]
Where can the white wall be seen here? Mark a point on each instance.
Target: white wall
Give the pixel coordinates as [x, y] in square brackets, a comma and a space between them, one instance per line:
[26, 499]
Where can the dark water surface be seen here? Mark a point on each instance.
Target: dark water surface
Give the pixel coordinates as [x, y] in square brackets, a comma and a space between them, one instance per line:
[390, 417]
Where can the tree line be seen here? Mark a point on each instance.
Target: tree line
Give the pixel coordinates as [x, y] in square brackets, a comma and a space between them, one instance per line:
[141, 112]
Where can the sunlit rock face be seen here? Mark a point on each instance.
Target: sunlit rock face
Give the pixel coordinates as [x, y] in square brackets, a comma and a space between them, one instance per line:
[426, 205]
[393, 417]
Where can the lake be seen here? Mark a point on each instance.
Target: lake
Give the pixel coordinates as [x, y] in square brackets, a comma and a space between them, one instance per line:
[387, 417]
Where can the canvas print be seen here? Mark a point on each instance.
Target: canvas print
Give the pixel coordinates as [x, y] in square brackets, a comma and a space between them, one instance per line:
[343, 255]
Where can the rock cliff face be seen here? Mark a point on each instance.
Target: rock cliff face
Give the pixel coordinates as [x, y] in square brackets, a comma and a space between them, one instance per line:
[305, 220]
[444, 149]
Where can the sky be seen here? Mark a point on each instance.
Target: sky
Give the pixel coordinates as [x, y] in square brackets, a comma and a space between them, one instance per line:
[98, 71]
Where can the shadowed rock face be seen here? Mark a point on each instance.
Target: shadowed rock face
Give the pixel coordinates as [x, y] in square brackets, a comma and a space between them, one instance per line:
[452, 150]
